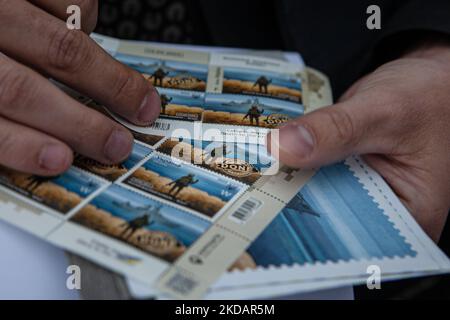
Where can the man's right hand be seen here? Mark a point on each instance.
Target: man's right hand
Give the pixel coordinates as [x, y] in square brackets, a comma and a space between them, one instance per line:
[40, 126]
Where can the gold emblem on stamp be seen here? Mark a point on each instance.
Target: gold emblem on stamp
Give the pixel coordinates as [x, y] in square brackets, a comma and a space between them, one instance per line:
[235, 167]
[276, 119]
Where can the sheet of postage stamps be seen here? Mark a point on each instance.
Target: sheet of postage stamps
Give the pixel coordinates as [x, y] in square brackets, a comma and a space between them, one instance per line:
[343, 223]
[199, 195]
[214, 93]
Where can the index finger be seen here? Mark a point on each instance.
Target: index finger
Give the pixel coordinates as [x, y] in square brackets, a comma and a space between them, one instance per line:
[45, 42]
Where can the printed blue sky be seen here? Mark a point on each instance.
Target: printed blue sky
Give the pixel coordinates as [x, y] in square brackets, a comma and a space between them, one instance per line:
[250, 75]
[213, 184]
[186, 227]
[78, 182]
[183, 97]
[138, 153]
[241, 103]
[149, 65]
[346, 224]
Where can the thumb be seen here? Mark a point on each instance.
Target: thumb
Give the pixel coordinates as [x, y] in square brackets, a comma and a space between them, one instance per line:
[329, 135]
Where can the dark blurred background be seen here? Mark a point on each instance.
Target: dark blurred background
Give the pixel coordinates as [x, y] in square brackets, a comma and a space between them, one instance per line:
[172, 21]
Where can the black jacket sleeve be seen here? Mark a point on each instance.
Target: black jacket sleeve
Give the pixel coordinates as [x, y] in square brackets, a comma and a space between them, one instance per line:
[408, 23]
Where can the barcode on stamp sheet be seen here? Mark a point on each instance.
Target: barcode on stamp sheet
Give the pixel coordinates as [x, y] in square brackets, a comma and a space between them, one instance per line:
[160, 125]
[181, 284]
[246, 210]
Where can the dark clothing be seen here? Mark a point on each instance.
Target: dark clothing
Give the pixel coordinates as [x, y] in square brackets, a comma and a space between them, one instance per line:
[331, 35]
[149, 20]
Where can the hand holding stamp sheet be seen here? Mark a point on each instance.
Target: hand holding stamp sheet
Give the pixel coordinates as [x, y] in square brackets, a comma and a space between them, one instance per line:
[200, 195]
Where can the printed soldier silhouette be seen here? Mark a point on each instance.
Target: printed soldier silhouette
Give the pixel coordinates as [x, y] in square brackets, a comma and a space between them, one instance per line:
[165, 100]
[181, 183]
[159, 75]
[149, 215]
[152, 214]
[262, 82]
[253, 114]
[133, 225]
[217, 152]
[35, 182]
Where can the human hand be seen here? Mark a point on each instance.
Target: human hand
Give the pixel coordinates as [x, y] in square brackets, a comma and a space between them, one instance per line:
[398, 117]
[40, 126]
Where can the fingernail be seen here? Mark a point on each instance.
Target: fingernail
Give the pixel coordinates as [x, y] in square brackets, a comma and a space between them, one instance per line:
[118, 146]
[296, 140]
[53, 157]
[150, 107]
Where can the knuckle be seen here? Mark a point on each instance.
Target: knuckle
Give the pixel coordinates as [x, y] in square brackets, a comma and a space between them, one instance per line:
[127, 84]
[86, 129]
[343, 126]
[14, 87]
[92, 128]
[69, 50]
[7, 143]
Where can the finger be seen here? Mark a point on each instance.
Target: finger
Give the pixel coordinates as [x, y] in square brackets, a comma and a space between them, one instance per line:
[332, 134]
[27, 150]
[44, 42]
[30, 99]
[58, 8]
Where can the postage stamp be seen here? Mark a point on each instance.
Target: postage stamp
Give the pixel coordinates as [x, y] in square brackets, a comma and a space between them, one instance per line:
[61, 193]
[185, 185]
[142, 222]
[262, 83]
[167, 73]
[244, 162]
[113, 172]
[239, 110]
[322, 224]
[256, 61]
[181, 105]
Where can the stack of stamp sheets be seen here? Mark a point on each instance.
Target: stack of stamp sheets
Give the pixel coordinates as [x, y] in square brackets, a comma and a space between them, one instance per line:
[200, 209]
